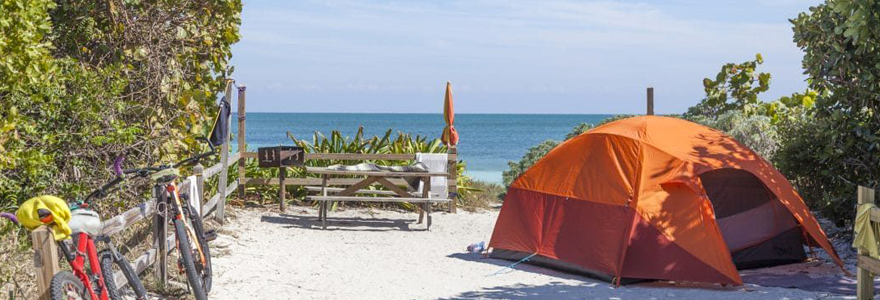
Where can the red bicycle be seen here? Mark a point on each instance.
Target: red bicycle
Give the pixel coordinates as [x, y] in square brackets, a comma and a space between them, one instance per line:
[97, 282]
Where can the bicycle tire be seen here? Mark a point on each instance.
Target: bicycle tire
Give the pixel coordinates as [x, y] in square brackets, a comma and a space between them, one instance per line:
[199, 228]
[65, 285]
[186, 255]
[107, 261]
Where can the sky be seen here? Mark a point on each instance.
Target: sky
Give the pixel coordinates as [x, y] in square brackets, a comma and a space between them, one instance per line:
[551, 56]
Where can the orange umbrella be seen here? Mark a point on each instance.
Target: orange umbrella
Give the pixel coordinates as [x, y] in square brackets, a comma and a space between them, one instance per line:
[450, 135]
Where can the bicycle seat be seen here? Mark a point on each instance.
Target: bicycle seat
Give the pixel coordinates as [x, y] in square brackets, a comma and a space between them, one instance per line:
[85, 220]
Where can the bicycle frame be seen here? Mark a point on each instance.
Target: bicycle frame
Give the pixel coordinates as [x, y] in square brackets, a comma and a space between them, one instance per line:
[174, 200]
[85, 247]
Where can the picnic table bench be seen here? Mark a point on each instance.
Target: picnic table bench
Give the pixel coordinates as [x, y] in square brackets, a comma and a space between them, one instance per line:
[394, 193]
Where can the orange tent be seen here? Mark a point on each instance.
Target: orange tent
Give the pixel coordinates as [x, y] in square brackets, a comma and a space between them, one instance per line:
[655, 198]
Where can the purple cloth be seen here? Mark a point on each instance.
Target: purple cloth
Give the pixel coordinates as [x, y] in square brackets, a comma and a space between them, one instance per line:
[9, 216]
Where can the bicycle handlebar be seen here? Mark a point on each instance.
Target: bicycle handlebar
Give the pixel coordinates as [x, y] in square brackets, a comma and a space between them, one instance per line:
[139, 172]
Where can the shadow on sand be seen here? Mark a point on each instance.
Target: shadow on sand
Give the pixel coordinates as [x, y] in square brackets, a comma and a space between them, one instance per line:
[561, 290]
[348, 224]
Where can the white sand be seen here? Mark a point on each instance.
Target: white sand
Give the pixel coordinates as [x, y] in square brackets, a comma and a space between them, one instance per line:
[379, 254]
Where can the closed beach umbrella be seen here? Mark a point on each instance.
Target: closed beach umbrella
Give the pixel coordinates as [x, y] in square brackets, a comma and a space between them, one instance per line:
[450, 135]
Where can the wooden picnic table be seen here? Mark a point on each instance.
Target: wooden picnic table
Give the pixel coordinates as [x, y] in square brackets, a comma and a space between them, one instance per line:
[396, 193]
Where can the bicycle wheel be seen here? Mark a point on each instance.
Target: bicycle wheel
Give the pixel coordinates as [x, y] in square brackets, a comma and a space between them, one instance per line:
[107, 261]
[199, 228]
[186, 255]
[65, 286]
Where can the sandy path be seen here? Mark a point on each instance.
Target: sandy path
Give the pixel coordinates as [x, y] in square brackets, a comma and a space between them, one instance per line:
[385, 255]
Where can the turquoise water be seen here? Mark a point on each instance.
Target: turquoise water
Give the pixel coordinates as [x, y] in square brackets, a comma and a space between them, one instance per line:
[487, 141]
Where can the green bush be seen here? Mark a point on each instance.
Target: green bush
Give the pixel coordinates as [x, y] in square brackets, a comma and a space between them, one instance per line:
[752, 130]
[84, 81]
[838, 146]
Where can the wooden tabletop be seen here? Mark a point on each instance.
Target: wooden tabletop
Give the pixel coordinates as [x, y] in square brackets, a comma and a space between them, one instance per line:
[319, 170]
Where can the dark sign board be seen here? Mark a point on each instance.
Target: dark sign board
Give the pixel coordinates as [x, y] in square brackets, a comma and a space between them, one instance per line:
[280, 156]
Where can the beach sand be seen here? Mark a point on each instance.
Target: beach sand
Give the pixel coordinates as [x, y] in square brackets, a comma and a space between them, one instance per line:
[381, 254]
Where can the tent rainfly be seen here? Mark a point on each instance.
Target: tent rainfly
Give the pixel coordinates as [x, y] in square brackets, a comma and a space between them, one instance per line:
[655, 198]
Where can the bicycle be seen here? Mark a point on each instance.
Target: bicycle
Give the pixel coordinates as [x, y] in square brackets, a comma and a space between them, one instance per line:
[98, 283]
[192, 238]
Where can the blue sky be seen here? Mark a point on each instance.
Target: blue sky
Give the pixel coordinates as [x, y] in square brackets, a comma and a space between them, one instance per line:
[554, 56]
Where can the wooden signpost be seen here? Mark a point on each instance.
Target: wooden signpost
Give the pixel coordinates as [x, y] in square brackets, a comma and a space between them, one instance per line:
[281, 157]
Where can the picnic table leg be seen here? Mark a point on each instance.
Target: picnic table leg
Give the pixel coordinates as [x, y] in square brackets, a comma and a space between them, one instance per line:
[324, 221]
[323, 206]
[421, 206]
[427, 207]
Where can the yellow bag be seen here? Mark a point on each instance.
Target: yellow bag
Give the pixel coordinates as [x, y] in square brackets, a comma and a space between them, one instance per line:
[29, 216]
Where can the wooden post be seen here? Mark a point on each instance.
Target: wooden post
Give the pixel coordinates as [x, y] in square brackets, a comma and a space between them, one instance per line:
[324, 179]
[865, 287]
[45, 259]
[650, 101]
[241, 141]
[428, 206]
[160, 236]
[199, 171]
[282, 174]
[220, 214]
[452, 185]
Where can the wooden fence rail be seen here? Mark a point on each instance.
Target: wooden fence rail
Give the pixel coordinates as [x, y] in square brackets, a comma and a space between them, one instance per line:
[46, 255]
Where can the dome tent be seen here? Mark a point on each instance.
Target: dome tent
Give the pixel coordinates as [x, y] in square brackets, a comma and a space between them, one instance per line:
[655, 198]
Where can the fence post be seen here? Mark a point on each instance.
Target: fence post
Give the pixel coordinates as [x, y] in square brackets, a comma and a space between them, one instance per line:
[160, 235]
[865, 288]
[241, 140]
[45, 259]
[650, 101]
[452, 166]
[199, 172]
[220, 214]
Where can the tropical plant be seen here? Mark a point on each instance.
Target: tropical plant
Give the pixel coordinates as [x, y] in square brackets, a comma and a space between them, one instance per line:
[736, 86]
[752, 130]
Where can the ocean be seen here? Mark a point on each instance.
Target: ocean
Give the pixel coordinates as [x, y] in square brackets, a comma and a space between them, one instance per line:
[487, 141]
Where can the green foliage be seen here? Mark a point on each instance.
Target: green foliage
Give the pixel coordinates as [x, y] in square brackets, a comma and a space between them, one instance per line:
[754, 131]
[84, 81]
[836, 146]
[736, 86]
[816, 169]
[489, 193]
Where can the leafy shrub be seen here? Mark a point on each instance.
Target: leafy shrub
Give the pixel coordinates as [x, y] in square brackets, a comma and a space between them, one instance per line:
[754, 131]
[84, 81]
[735, 87]
[816, 169]
[838, 146]
[487, 194]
